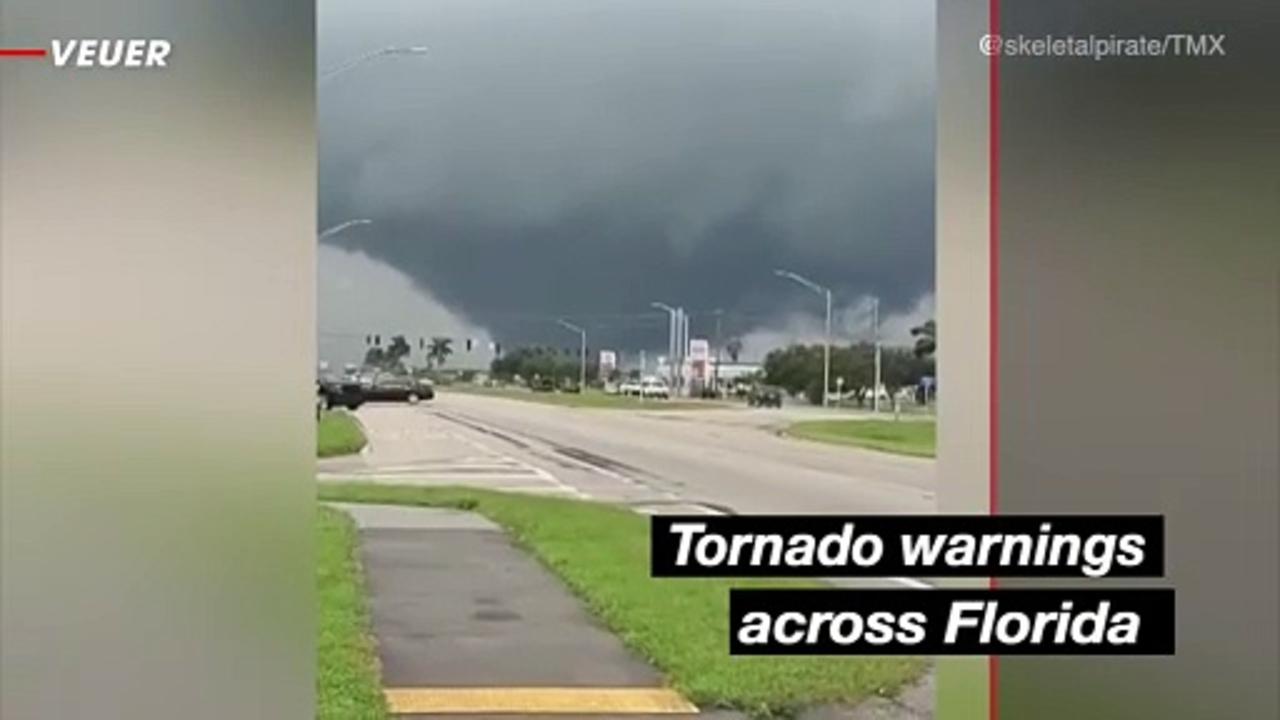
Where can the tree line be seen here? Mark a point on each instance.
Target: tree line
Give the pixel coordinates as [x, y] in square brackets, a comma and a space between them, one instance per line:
[798, 369]
[541, 362]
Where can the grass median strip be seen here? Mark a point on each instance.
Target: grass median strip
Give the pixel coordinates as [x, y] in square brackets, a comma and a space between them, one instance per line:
[903, 437]
[338, 433]
[348, 686]
[601, 552]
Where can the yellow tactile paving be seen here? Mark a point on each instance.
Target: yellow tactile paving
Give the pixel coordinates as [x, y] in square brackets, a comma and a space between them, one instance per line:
[547, 700]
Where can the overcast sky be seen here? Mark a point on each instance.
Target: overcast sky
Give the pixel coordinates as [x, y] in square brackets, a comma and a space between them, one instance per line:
[583, 158]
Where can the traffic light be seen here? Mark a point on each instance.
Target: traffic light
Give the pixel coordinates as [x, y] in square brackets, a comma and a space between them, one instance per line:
[368, 339]
[422, 343]
[468, 344]
[377, 340]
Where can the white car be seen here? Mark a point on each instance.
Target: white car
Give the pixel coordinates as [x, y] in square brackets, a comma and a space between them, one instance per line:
[630, 387]
[654, 388]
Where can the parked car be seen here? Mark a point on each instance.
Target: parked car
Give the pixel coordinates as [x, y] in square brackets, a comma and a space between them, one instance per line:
[399, 388]
[654, 388]
[630, 387]
[765, 396]
[333, 393]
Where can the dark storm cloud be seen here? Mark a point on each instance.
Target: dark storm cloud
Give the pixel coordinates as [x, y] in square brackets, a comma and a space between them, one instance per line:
[585, 157]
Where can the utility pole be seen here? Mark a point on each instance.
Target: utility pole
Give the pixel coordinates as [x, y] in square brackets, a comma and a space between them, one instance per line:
[715, 373]
[582, 368]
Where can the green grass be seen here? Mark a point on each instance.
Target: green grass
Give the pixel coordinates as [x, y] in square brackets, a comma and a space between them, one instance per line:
[348, 686]
[338, 433]
[601, 552]
[904, 437]
[589, 399]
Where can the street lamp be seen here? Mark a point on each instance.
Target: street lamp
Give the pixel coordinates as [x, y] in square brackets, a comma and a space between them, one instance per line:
[684, 337]
[382, 52]
[342, 227]
[671, 341]
[875, 338]
[682, 346]
[582, 370]
[826, 349]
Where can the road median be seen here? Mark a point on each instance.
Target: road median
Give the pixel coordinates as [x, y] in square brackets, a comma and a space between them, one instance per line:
[338, 433]
[917, 438]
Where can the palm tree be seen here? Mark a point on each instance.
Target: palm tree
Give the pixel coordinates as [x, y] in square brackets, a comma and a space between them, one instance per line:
[441, 348]
[395, 352]
[926, 336]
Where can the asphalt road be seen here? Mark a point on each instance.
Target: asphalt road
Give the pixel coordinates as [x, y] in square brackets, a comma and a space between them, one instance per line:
[719, 460]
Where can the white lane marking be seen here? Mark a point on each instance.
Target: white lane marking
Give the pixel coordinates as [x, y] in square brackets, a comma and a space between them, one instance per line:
[565, 487]
[540, 473]
[596, 469]
[911, 583]
[541, 489]
[680, 509]
[461, 465]
[437, 478]
[561, 456]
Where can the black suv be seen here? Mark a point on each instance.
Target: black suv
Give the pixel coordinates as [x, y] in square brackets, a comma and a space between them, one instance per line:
[765, 396]
[334, 393]
[398, 388]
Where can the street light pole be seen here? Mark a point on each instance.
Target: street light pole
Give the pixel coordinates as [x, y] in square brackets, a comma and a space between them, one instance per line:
[342, 227]
[875, 338]
[826, 358]
[381, 52]
[582, 368]
[684, 341]
[826, 349]
[671, 340]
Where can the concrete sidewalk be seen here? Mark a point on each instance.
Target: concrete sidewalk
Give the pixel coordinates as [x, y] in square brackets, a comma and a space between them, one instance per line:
[467, 623]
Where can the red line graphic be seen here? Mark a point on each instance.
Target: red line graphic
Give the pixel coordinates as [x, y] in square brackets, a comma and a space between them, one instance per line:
[30, 53]
[993, 311]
